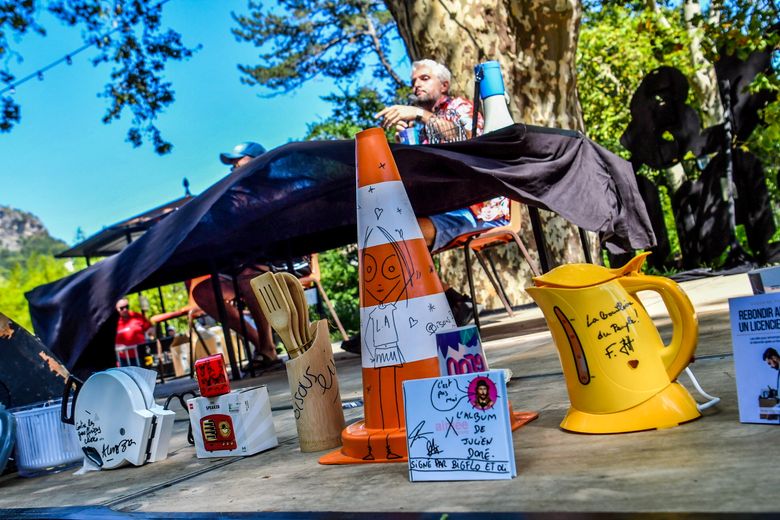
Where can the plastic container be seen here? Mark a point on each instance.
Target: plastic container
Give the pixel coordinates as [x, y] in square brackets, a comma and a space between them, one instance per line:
[410, 135]
[44, 444]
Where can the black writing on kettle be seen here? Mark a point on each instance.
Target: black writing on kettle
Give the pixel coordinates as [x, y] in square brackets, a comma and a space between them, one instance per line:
[603, 315]
[624, 346]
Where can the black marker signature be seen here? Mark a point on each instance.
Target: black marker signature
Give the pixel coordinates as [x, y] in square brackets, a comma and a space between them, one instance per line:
[433, 449]
[416, 434]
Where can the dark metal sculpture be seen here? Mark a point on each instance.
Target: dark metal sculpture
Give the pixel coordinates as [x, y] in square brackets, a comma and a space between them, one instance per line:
[664, 129]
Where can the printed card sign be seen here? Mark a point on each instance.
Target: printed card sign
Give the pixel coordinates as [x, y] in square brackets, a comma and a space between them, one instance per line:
[458, 428]
[755, 332]
[460, 351]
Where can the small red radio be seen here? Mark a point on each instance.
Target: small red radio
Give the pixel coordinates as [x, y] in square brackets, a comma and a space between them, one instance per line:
[218, 433]
[212, 376]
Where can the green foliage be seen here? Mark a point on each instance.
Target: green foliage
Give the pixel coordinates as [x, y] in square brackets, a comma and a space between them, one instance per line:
[741, 26]
[618, 46]
[175, 296]
[764, 142]
[301, 39]
[352, 113]
[127, 34]
[339, 269]
[621, 42]
[41, 244]
[671, 226]
[34, 264]
[342, 40]
[32, 270]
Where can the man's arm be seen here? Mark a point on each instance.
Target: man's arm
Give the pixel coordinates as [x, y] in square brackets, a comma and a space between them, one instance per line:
[149, 330]
[395, 114]
[400, 116]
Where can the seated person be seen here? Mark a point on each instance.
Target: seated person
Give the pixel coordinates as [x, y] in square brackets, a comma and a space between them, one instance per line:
[132, 329]
[258, 333]
[258, 330]
[445, 119]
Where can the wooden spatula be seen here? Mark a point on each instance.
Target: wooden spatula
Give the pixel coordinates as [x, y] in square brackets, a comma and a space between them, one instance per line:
[299, 298]
[295, 326]
[274, 304]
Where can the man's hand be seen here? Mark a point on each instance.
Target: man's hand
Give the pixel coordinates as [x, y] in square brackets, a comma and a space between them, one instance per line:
[394, 114]
[399, 127]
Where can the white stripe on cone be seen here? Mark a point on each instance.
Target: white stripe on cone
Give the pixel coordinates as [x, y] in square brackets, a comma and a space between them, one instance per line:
[403, 331]
[385, 204]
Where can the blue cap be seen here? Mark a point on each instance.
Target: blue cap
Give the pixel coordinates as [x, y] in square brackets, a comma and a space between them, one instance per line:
[248, 148]
[491, 83]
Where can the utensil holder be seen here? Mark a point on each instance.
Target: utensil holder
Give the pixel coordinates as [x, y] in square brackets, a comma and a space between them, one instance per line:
[314, 388]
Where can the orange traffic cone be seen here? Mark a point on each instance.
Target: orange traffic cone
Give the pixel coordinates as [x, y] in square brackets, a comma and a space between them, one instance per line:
[402, 305]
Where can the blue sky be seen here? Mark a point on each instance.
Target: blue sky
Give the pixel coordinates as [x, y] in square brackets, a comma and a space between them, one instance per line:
[65, 166]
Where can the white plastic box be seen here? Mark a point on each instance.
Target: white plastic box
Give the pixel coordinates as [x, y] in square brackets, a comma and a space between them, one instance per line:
[234, 424]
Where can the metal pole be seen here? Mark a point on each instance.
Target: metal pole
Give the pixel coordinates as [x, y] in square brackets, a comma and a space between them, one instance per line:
[129, 240]
[585, 245]
[162, 300]
[541, 246]
[240, 305]
[217, 287]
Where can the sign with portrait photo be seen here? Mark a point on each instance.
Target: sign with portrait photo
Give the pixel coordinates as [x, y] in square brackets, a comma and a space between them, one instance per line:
[458, 428]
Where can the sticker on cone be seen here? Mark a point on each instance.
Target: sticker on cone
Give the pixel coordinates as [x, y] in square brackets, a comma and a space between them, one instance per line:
[402, 306]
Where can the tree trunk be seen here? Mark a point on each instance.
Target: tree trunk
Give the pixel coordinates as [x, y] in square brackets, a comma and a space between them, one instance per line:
[704, 80]
[535, 41]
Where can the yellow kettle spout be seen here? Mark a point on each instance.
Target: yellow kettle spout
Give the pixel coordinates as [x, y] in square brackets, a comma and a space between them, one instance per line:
[633, 266]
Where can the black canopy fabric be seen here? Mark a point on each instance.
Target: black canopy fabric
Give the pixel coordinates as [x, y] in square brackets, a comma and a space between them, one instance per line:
[300, 198]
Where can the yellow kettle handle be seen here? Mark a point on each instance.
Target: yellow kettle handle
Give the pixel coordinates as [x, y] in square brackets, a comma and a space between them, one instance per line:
[685, 327]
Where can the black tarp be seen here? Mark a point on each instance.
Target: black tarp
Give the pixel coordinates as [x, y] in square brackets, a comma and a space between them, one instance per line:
[300, 198]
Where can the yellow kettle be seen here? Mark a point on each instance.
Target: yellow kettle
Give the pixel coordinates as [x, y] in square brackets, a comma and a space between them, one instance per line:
[618, 371]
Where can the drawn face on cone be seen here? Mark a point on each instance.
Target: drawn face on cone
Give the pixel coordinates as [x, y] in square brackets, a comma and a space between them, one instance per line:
[384, 273]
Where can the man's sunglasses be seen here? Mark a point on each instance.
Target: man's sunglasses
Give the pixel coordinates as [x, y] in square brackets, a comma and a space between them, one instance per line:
[123, 308]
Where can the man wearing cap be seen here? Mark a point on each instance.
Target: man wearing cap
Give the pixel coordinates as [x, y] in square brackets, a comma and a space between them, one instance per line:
[260, 335]
[241, 154]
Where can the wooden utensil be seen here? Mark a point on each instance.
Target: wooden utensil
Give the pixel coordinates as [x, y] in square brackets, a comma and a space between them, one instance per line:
[295, 326]
[314, 387]
[272, 301]
[299, 297]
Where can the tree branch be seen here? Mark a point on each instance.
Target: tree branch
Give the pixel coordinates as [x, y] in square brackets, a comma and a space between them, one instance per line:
[371, 32]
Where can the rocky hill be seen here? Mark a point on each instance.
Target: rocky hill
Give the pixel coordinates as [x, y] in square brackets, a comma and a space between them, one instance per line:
[22, 234]
[16, 226]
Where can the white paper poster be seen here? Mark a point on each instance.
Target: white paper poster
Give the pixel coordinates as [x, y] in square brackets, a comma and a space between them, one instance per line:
[458, 428]
[755, 333]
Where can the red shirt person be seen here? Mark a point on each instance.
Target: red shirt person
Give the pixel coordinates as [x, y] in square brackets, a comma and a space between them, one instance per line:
[131, 328]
